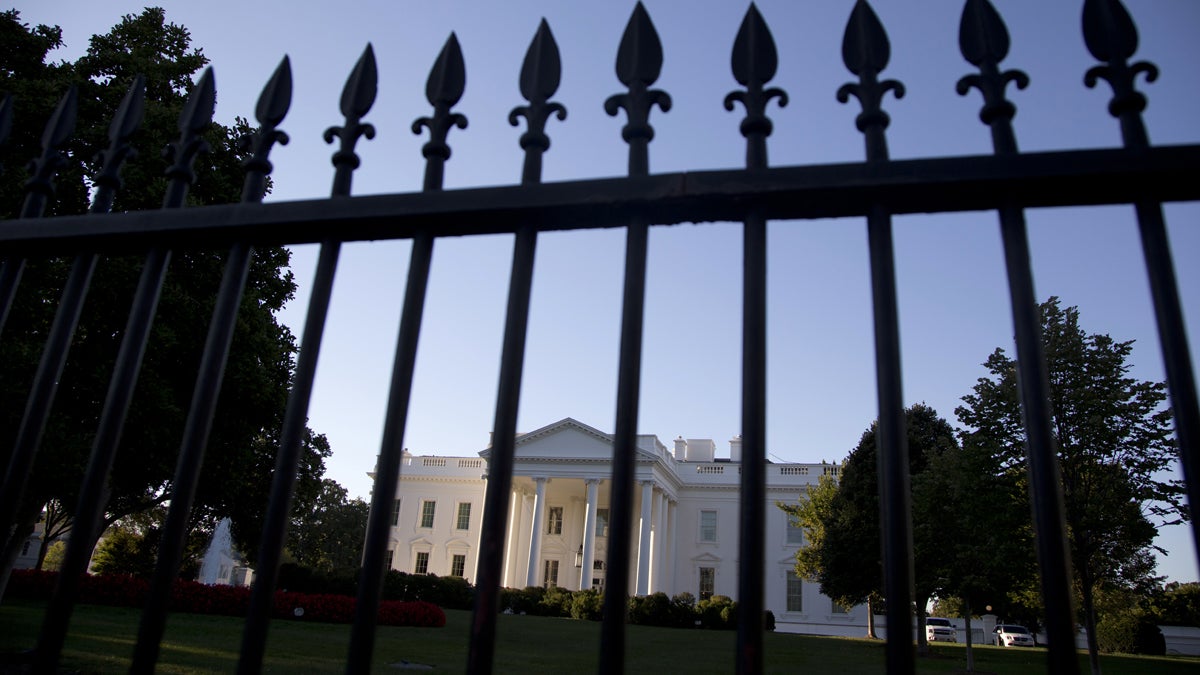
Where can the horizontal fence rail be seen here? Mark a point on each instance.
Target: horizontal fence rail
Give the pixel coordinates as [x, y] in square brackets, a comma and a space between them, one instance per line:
[877, 189]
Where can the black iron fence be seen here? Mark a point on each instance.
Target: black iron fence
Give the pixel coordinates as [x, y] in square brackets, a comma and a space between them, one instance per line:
[1007, 182]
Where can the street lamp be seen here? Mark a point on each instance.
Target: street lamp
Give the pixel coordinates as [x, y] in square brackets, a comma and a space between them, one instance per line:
[579, 557]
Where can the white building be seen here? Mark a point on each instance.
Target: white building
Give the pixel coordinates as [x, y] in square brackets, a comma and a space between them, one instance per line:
[685, 521]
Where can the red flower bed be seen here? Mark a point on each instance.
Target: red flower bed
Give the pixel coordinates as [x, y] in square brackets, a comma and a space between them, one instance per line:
[196, 598]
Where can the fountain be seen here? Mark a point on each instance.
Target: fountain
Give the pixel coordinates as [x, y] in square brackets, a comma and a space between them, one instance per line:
[218, 560]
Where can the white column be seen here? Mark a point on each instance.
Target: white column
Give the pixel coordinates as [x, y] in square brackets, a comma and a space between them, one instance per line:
[514, 533]
[655, 540]
[589, 535]
[672, 546]
[643, 570]
[535, 534]
[660, 544]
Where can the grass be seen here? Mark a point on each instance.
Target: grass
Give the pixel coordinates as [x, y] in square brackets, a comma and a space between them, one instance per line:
[101, 641]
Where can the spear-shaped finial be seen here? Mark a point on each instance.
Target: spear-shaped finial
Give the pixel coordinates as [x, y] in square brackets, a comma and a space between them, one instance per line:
[443, 89]
[40, 186]
[273, 104]
[754, 62]
[193, 121]
[1110, 35]
[866, 51]
[639, 62]
[983, 40]
[357, 98]
[124, 124]
[540, 75]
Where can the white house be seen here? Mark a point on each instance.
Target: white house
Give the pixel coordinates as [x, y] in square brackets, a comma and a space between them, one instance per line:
[685, 529]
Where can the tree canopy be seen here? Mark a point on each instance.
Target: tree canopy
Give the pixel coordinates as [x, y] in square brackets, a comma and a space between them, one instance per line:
[841, 520]
[236, 476]
[1114, 444]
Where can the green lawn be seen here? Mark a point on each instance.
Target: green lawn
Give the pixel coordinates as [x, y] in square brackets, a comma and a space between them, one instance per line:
[102, 638]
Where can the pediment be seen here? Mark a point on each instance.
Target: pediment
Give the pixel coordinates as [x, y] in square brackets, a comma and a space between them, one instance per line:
[707, 557]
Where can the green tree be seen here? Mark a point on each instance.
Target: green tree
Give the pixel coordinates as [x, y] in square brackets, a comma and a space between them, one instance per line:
[970, 511]
[845, 557]
[1114, 444]
[240, 455]
[1178, 604]
[327, 535]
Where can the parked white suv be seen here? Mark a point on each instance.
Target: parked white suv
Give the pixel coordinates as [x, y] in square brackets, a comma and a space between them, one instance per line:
[1011, 635]
[940, 630]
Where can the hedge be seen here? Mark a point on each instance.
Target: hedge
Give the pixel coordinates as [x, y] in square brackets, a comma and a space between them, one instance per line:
[196, 598]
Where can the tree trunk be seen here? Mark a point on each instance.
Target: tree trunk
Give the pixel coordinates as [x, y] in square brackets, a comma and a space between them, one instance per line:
[871, 619]
[1089, 621]
[970, 651]
[922, 643]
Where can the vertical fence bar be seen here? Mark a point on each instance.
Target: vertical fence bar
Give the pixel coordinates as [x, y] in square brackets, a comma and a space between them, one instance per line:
[540, 76]
[754, 62]
[639, 62]
[196, 116]
[358, 95]
[984, 42]
[445, 87]
[38, 191]
[866, 51]
[89, 512]
[1111, 36]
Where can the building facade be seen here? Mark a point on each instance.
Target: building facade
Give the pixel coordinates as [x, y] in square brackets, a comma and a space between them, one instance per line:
[685, 529]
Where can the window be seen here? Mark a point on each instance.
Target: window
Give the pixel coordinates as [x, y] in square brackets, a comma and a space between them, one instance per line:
[598, 583]
[795, 592]
[836, 608]
[458, 564]
[395, 513]
[422, 566]
[428, 508]
[554, 520]
[795, 533]
[464, 517]
[708, 526]
[708, 576]
[601, 522]
[387, 565]
[550, 573]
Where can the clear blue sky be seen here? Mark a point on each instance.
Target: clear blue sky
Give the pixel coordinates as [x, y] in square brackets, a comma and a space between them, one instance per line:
[953, 299]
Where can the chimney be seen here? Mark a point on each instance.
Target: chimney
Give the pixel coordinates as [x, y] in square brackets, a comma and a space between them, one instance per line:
[735, 449]
[680, 449]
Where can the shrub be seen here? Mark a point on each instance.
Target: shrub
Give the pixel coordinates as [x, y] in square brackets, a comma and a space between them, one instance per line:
[718, 612]
[769, 620]
[556, 601]
[651, 610]
[587, 604]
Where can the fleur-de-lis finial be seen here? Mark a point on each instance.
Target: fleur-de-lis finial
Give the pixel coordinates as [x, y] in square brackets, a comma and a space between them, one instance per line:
[443, 89]
[1110, 36]
[273, 104]
[540, 75]
[866, 51]
[358, 95]
[193, 121]
[124, 124]
[639, 62]
[754, 62]
[40, 186]
[983, 40]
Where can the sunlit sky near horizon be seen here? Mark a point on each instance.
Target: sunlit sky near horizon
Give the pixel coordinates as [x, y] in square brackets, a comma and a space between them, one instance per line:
[953, 297]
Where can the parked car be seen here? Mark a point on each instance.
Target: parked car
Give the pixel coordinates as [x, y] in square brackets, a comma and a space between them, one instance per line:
[1012, 635]
[940, 630]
